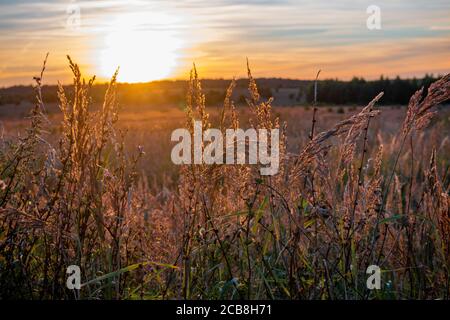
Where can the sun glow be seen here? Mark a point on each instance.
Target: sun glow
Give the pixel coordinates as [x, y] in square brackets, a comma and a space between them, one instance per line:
[142, 53]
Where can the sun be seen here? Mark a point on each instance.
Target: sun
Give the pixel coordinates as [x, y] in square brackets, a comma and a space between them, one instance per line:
[143, 54]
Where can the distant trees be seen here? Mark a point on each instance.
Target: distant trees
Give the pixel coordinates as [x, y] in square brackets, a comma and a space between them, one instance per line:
[360, 91]
[173, 93]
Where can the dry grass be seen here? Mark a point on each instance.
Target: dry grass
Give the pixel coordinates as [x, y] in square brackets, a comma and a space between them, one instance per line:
[367, 187]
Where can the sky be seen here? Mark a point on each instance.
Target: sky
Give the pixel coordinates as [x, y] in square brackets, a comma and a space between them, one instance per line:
[159, 39]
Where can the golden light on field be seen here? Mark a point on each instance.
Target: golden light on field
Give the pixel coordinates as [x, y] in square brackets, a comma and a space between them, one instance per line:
[142, 55]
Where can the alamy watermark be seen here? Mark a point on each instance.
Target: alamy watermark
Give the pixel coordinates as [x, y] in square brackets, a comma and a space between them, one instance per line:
[373, 22]
[73, 21]
[374, 280]
[211, 147]
[74, 279]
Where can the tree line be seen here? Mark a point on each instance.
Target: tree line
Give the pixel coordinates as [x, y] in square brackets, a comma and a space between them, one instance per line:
[357, 91]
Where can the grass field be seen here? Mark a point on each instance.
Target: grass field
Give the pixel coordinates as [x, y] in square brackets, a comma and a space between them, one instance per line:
[94, 186]
[152, 128]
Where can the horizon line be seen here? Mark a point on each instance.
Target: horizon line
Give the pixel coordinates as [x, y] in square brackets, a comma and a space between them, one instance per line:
[381, 76]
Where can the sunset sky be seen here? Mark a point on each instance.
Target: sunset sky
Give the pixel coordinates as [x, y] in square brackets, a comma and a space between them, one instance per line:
[156, 39]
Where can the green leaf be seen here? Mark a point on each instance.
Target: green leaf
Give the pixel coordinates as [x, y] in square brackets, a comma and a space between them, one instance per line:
[259, 214]
[308, 223]
[127, 269]
[393, 218]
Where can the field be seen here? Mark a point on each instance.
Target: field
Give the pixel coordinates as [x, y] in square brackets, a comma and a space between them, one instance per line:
[152, 129]
[94, 186]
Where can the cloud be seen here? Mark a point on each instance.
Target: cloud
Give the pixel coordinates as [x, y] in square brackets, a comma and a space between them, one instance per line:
[219, 34]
